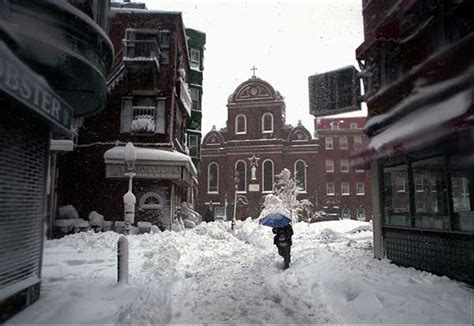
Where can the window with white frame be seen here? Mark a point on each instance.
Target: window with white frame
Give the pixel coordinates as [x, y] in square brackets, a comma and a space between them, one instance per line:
[353, 125]
[219, 213]
[419, 184]
[195, 59]
[329, 166]
[334, 125]
[328, 141]
[195, 97]
[359, 170]
[345, 189]
[267, 122]
[213, 178]
[343, 142]
[357, 141]
[241, 168]
[345, 212]
[360, 213]
[240, 124]
[300, 175]
[360, 188]
[344, 165]
[267, 177]
[330, 191]
[400, 184]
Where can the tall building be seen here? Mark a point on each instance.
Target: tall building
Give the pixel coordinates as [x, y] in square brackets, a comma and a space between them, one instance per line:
[196, 43]
[344, 189]
[258, 144]
[420, 77]
[53, 63]
[150, 105]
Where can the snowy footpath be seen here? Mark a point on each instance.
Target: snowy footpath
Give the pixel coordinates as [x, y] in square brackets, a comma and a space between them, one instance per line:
[211, 274]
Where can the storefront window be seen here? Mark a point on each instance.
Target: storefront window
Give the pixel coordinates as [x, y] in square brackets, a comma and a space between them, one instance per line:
[430, 194]
[396, 199]
[462, 183]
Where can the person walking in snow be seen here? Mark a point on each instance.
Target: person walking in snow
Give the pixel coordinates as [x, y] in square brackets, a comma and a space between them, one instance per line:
[283, 242]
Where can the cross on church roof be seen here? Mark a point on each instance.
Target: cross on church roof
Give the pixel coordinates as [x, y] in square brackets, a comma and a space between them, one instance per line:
[254, 68]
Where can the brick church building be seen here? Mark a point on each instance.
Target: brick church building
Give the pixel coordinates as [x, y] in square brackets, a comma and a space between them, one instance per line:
[258, 144]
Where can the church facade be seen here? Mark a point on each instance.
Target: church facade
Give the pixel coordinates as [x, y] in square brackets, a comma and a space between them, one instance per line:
[240, 161]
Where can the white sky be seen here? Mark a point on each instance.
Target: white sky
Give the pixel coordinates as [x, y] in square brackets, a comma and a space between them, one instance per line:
[286, 41]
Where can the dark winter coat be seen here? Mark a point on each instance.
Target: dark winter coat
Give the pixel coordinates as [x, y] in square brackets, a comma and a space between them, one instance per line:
[288, 230]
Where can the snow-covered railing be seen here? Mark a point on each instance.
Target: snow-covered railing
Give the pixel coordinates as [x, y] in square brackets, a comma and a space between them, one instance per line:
[185, 96]
[141, 49]
[143, 119]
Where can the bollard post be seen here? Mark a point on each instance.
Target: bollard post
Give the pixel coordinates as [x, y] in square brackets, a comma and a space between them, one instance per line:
[122, 260]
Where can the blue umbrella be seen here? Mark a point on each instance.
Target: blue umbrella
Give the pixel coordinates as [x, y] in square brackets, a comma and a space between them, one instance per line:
[275, 220]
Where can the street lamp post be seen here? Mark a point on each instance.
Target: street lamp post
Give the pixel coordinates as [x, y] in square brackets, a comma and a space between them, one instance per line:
[129, 198]
[236, 180]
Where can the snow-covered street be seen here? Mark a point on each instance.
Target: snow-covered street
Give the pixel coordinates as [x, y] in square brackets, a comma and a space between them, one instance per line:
[213, 275]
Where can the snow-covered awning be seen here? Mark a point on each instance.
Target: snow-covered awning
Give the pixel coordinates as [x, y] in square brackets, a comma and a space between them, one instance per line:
[431, 114]
[151, 163]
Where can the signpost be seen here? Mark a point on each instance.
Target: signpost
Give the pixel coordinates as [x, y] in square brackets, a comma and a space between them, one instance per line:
[334, 92]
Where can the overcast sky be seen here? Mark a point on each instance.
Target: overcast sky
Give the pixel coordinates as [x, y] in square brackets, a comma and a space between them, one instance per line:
[286, 40]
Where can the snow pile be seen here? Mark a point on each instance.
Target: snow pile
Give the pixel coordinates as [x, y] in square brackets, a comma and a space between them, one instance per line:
[143, 123]
[211, 274]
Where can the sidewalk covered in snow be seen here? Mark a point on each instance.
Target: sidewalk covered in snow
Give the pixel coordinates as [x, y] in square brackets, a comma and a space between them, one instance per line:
[210, 274]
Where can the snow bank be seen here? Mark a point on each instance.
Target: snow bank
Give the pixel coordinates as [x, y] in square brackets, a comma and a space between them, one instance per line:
[212, 274]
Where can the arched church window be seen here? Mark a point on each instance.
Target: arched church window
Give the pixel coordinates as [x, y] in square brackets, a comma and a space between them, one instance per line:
[300, 175]
[213, 178]
[267, 122]
[240, 124]
[267, 178]
[241, 168]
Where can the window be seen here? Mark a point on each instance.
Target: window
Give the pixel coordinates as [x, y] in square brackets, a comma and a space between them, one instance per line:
[267, 177]
[346, 213]
[328, 142]
[360, 213]
[462, 187]
[241, 168]
[330, 189]
[195, 97]
[219, 213]
[213, 178]
[344, 165]
[431, 207]
[334, 125]
[300, 175]
[360, 189]
[419, 184]
[359, 170]
[195, 59]
[400, 184]
[329, 166]
[193, 145]
[142, 115]
[357, 141]
[165, 41]
[343, 142]
[345, 188]
[150, 200]
[267, 122]
[353, 125]
[396, 204]
[240, 124]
